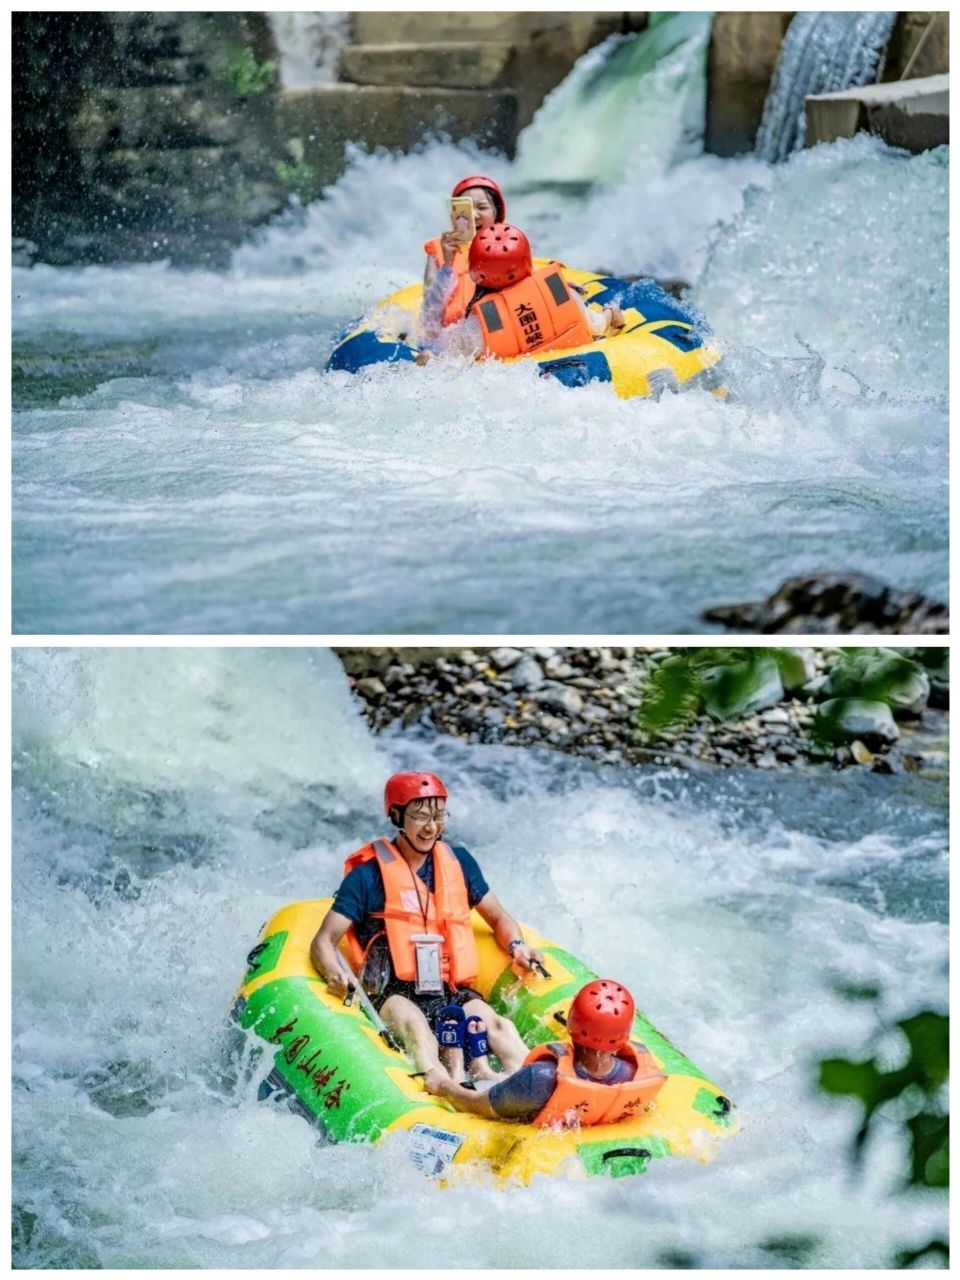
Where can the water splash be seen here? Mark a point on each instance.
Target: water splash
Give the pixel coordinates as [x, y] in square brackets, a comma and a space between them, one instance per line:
[632, 105]
[136, 1144]
[821, 53]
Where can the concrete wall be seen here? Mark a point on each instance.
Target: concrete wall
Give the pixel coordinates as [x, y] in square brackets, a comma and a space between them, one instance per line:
[744, 48]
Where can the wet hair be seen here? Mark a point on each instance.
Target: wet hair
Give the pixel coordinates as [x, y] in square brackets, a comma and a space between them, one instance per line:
[398, 812]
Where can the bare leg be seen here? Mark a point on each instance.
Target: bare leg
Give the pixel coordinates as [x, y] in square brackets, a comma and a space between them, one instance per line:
[411, 1027]
[503, 1035]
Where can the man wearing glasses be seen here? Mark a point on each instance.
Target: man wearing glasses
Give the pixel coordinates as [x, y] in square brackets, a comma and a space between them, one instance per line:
[403, 909]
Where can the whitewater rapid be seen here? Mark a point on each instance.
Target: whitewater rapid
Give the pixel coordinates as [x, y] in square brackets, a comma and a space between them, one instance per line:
[182, 464]
[167, 801]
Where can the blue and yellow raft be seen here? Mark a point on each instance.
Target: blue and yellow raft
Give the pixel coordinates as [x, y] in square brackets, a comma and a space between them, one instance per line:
[662, 346]
[330, 1065]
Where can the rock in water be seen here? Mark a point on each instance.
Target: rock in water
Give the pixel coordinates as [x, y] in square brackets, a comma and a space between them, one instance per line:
[835, 603]
[843, 720]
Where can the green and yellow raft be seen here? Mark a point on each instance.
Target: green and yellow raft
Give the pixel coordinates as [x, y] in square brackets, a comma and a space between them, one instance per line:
[332, 1067]
[662, 346]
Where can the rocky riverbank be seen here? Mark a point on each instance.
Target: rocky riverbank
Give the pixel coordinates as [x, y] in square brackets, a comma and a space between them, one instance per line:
[809, 710]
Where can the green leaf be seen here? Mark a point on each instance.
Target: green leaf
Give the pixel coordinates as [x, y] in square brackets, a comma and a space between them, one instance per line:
[933, 1249]
[853, 1079]
[929, 1036]
[930, 1152]
[671, 697]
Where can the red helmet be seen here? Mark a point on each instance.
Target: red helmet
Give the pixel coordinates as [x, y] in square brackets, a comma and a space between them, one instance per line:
[404, 787]
[478, 180]
[500, 256]
[601, 1015]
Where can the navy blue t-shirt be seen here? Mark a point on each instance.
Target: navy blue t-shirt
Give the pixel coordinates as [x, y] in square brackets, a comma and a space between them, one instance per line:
[523, 1095]
[361, 892]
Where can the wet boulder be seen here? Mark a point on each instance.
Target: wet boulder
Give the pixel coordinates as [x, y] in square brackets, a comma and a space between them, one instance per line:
[881, 675]
[840, 721]
[738, 688]
[835, 604]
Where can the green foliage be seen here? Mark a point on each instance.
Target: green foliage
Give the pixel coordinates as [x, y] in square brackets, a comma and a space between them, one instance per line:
[918, 1084]
[880, 675]
[935, 1249]
[249, 77]
[723, 683]
[301, 179]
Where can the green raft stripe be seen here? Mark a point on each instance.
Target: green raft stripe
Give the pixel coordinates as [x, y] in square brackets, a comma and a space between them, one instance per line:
[328, 1060]
[264, 956]
[620, 1159]
[708, 1103]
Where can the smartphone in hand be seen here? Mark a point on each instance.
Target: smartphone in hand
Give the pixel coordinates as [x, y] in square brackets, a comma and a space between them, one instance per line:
[463, 218]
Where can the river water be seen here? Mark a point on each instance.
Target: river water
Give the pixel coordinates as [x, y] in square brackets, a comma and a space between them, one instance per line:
[182, 464]
[168, 801]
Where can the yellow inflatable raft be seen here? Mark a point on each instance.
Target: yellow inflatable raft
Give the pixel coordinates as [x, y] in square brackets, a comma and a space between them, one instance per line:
[662, 346]
[331, 1066]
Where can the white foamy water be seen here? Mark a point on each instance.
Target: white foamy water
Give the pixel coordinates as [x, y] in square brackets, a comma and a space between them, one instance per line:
[182, 463]
[168, 801]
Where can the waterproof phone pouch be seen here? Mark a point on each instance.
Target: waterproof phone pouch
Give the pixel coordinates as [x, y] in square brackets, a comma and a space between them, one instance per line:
[463, 218]
[429, 972]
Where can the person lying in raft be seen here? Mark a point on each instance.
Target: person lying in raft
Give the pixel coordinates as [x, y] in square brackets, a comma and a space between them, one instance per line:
[515, 310]
[404, 909]
[451, 252]
[602, 1078]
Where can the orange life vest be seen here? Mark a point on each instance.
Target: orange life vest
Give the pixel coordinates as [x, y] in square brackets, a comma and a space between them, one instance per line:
[464, 290]
[447, 911]
[576, 1101]
[539, 312]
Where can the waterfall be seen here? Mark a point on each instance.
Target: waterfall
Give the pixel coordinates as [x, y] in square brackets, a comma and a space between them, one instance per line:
[309, 45]
[633, 103]
[821, 53]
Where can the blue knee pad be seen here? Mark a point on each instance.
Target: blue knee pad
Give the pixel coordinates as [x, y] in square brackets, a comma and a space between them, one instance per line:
[449, 1026]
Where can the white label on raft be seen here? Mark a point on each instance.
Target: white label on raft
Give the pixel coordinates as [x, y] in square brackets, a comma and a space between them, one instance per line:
[431, 1150]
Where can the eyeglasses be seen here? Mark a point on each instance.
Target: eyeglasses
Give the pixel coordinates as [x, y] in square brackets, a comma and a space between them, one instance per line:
[424, 819]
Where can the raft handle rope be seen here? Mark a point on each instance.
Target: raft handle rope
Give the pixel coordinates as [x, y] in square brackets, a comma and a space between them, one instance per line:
[252, 956]
[638, 1152]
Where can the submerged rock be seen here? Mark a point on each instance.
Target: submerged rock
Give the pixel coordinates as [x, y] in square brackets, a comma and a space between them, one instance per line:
[835, 603]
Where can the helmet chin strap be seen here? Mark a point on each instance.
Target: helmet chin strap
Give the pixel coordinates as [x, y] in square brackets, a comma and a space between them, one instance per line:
[402, 835]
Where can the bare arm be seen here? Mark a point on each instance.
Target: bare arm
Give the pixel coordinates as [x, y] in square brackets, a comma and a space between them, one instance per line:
[323, 950]
[505, 930]
[471, 1100]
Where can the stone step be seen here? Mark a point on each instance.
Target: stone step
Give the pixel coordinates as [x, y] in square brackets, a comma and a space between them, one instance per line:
[454, 65]
[438, 28]
[317, 123]
[914, 114]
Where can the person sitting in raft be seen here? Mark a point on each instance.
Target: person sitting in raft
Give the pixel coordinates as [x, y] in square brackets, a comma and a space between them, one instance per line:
[515, 310]
[450, 252]
[404, 908]
[602, 1078]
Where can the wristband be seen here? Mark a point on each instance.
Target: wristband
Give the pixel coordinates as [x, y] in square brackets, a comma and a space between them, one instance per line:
[517, 942]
